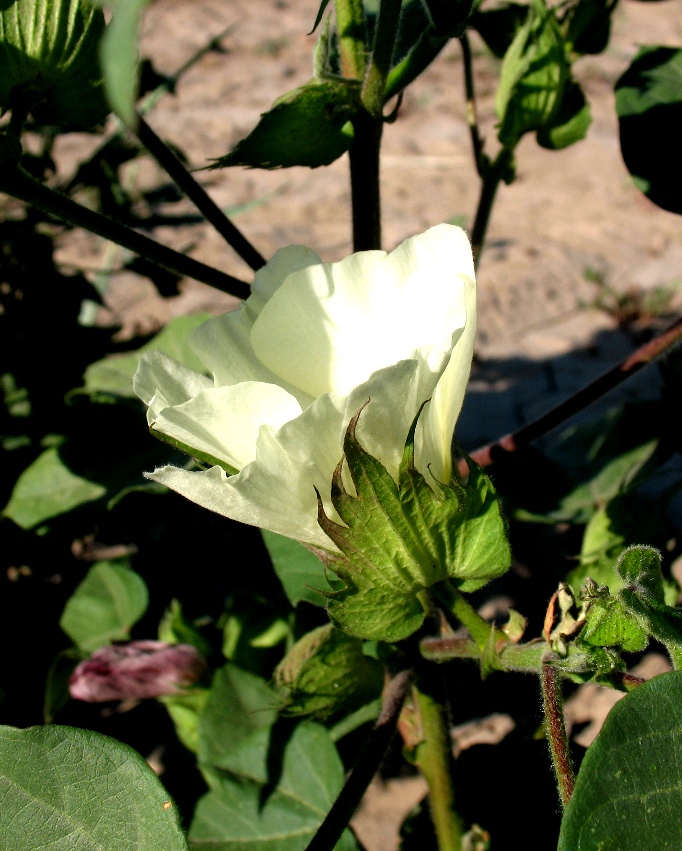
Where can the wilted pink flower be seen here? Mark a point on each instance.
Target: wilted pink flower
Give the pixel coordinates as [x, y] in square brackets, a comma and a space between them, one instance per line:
[136, 669]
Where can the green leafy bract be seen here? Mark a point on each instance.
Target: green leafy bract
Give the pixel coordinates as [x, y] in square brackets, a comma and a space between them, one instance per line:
[533, 76]
[48, 56]
[64, 788]
[402, 538]
[628, 794]
[258, 803]
[326, 675]
[571, 122]
[498, 27]
[649, 106]
[104, 607]
[308, 126]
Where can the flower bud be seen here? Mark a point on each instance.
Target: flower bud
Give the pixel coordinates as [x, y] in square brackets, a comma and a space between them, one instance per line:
[136, 669]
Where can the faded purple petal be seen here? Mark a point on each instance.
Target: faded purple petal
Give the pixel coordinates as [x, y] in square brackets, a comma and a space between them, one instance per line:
[136, 669]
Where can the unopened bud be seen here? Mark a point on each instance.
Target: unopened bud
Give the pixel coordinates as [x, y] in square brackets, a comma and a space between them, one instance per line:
[137, 669]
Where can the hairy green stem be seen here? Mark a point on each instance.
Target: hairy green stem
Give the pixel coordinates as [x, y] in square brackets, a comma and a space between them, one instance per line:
[198, 195]
[15, 181]
[434, 758]
[374, 86]
[331, 829]
[457, 605]
[555, 727]
[350, 25]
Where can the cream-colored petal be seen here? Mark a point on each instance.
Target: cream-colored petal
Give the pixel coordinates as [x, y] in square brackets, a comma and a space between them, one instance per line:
[224, 345]
[433, 444]
[330, 326]
[223, 422]
[161, 381]
[290, 259]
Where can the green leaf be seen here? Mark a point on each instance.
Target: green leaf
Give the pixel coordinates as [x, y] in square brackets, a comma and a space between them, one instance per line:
[308, 126]
[649, 106]
[498, 27]
[326, 675]
[236, 815]
[400, 539]
[47, 488]
[104, 607]
[113, 376]
[628, 794]
[533, 76]
[641, 566]
[238, 704]
[609, 624]
[48, 56]
[300, 571]
[63, 788]
[184, 710]
[119, 56]
[571, 122]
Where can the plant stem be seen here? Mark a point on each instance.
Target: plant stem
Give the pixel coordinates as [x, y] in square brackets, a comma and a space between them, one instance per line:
[365, 149]
[364, 181]
[433, 756]
[374, 87]
[331, 829]
[471, 111]
[350, 24]
[552, 702]
[21, 185]
[493, 173]
[458, 605]
[198, 195]
[643, 356]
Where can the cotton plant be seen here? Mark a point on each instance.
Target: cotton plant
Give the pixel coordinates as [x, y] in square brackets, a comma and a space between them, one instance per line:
[366, 359]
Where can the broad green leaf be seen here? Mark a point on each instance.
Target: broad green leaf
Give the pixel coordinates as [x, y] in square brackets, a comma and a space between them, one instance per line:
[113, 375]
[119, 56]
[256, 806]
[400, 539]
[326, 675]
[48, 56]
[534, 73]
[309, 126]
[649, 106]
[571, 123]
[238, 704]
[628, 794]
[104, 607]
[300, 571]
[68, 789]
[48, 488]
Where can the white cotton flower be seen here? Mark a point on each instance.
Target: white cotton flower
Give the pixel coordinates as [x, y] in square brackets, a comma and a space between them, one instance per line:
[289, 369]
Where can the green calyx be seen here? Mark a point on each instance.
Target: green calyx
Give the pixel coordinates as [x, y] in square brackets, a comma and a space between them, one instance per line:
[401, 538]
